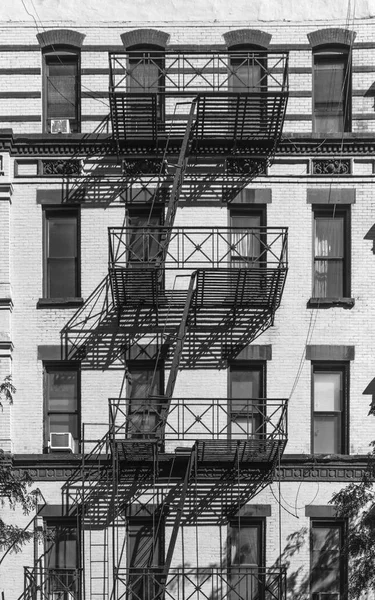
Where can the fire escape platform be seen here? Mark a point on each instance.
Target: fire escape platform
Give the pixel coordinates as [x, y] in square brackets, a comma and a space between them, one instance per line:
[233, 430]
[240, 96]
[220, 288]
[247, 117]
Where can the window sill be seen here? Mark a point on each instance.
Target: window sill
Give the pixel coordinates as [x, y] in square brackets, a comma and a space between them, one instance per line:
[331, 303]
[69, 302]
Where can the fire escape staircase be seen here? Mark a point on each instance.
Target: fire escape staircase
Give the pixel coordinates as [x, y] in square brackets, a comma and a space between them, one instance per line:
[218, 298]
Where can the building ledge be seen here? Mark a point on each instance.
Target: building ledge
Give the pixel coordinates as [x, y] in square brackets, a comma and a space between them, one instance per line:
[331, 303]
[68, 302]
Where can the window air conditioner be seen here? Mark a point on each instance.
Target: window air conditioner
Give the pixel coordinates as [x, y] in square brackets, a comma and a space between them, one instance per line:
[60, 126]
[61, 441]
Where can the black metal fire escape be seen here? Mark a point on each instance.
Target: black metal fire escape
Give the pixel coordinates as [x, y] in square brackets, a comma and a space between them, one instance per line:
[201, 126]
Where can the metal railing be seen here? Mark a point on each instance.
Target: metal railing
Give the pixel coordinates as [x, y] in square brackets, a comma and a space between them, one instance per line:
[192, 419]
[44, 583]
[196, 72]
[198, 247]
[224, 583]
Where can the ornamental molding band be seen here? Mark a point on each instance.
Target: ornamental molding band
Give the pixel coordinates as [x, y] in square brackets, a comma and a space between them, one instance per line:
[246, 166]
[305, 468]
[143, 166]
[250, 37]
[46, 145]
[61, 167]
[331, 167]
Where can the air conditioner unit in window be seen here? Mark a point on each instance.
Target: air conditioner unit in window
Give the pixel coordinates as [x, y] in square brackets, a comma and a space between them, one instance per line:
[60, 126]
[61, 441]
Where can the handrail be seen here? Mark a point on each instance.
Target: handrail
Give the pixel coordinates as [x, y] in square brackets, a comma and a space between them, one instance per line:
[195, 247]
[173, 71]
[199, 418]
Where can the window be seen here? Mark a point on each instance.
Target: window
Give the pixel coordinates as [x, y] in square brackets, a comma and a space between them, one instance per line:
[248, 74]
[331, 252]
[146, 81]
[62, 560]
[145, 555]
[144, 239]
[247, 247]
[62, 393]
[246, 394]
[246, 557]
[328, 568]
[61, 88]
[330, 408]
[61, 253]
[145, 402]
[332, 91]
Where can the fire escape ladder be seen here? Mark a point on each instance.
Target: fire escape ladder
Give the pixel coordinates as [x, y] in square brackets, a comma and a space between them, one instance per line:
[181, 166]
[178, 181]
[181, 336]
[179, 512]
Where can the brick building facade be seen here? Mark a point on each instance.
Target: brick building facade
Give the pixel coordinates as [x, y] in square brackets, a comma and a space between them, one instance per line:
[159, 367]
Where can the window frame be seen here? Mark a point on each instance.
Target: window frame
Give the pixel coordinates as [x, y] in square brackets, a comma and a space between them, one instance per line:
[246, 210]
[344, 212]
[61, 366]
[255, 365]
[150, 52]
[237, 523]
[54, 523]
[341, 525]
[57, 211]
[326, 52]
[343, 368]
[56, 51]
[148, 413]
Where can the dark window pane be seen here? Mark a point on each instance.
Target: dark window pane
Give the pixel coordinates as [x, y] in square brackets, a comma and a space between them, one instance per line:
[61, 255]
[331, 89]
[245, 383]
[325, 559]
[62, 90]
[328, 279]
[327, 434]
[246, 75]
[62, 278]
[62, 552]
[329, 237]
[329, 124]
[62, 237]
[62, 390]
[245, 546]
[64, 423]
[140, 537]
[144, 75]
[329, 83]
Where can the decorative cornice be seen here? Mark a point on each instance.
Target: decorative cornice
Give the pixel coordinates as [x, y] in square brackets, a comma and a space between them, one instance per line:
[81, 145]
[332, 166]
[49, 467]
[322, 468]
